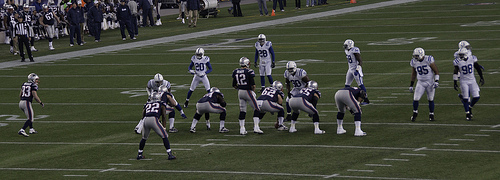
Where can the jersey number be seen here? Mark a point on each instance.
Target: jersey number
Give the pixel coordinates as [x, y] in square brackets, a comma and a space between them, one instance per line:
[199, 66]
[26, 91]
[422, 70]
[152, 108]
[269, 92]
[296, 83]
[349, 58]
[241, 79]
[467, 69]
[48, 16]
[263, 53]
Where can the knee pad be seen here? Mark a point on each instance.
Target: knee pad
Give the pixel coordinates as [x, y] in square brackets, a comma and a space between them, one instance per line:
[242, 115]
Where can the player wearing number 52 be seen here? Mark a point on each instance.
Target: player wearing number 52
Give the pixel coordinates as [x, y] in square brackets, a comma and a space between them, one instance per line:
[28, 93]
[426, 72]
[264, 51]
[202, 67]
[243, 81]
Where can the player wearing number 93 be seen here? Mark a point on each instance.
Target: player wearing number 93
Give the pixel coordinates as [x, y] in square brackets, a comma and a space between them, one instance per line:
[465, 63]
[426, 72]
[243, 81]
[264, 51]
[202, 67]
[28, 93]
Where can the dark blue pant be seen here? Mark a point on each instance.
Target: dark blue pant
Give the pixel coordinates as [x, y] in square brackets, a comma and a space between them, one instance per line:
[72, 30]
[147, 13]
[97, 30]
[128, 25]
[134, 25]
[280, 3]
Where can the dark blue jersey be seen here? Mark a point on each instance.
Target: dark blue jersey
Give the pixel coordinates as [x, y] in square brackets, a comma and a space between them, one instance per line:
[271, 94]
[26, 91]
[165, 99]
[48, 17]
[308, 94]
[355, 92]
[213, 97]
[153, 108]
[243, 78]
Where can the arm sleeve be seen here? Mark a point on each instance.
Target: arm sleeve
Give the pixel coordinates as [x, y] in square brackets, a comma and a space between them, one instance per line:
[478, 69]
[191, 66]
[271, 51]
[234, 82]
[209, 66]
[256, 55]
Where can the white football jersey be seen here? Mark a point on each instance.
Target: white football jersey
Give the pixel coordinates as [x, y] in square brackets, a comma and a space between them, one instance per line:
[264, 53]
[153, 87]
[423, 68]
[200, 64]
[296, 79]
[466, 68]
[351, 59]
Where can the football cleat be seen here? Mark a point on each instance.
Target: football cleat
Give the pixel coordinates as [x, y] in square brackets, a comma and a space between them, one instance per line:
[341, 131]
[140, 156]
[186, 104]
[431, 116]
[243, 131]
[468, 116]
[192, 130]
[23, 133]
[282, 128]
[292, 130]
[223, 130]
[173, 130]
[208, 127]
[414, 116]
[34, 49]
[319, 131]
[359, 133]
[171, 156]
[33, 131]
[51, 48]
[71, 45]
[258, 131]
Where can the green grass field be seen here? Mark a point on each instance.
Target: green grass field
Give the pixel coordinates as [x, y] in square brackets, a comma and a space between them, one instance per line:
[93, 102]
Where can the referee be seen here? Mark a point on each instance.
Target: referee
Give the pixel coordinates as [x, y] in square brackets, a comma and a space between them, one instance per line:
[23, 35]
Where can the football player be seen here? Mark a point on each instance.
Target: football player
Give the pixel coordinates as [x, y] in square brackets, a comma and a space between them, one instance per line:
[426, 72]
[298, 78]
[28, 93]
[349, 99]
[202, 67]
[306, 100]
[271, 101]
[466, 64]
[466, 45]
[10, 20]
[243, 81]
[212, 102]
[152, 111]
[48, 19]
[355, 71]
[264, 51]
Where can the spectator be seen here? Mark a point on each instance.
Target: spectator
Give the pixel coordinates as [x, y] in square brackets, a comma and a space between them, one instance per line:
[281, 5]
[73, 17]
[132, 5]
[193, 7]
[262, 5]
[237, 8]
[95, 14]
[147, 13]
[124, 16]
[38, 5]
[82, 19]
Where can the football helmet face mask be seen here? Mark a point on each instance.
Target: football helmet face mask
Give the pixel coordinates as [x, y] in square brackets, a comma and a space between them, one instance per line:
[463, 54]
[464, 44]
[200, 52]
[291, 67]
[348, 44]
[278, 85]
[26, 7]
[312, 84]
[33, 78]
[244, 62]
[214, 89]
[262, 39]
[418, 54]
[158, 79]
[163, 88]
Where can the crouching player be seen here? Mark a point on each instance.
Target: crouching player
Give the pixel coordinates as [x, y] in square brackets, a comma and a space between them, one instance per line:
[212, 102]
[349, 98]
[306, 100]
[153, 109]
[271, 101]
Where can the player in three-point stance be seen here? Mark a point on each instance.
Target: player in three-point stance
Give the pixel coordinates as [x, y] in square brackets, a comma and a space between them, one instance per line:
[271, 100]
[306, 100]
[298, 79]
[202, 67]
[212, 102]
[349, 98]
[243, 81]
[355, 71]
[466, 64]
[426, 72]
[264, 51]
[28, 93]
[152, 111]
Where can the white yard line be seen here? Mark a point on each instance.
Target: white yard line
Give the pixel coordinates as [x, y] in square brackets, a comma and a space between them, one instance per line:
[409, 154]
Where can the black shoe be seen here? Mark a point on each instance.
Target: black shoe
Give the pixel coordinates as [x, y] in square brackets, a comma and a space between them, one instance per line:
[431, 117]
[468, 116]
[140, 156]
[170, 156]
[414, 116]
[31, 59]
[23, 60]
[186, 104]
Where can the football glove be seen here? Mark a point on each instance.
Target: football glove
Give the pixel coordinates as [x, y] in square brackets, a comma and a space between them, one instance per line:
[273, 65]
[184, 116]
[41, 103]
[410, 89]
[255, 65]
[481, 81]
[192, 71]
[455, 85]
[436, 84]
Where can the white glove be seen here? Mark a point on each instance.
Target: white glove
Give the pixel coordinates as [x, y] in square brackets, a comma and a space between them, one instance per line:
[360, 70]
[192, 71]
[411, 89]
[436, 84]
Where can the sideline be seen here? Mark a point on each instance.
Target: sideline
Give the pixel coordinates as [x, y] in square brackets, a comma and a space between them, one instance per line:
[195, 35]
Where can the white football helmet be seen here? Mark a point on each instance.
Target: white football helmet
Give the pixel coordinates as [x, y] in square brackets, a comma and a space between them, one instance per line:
[463, 53]
[291, 67]
[278, 85]
[26, 6]
[200, 52]
[163, 88]
[312, 84]
[463, 44]
[262, 38]
[214, 89]
[244, 62]
[158, 78]
[32, 77]
[348, 44]
[44, 6]
[418, 53]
